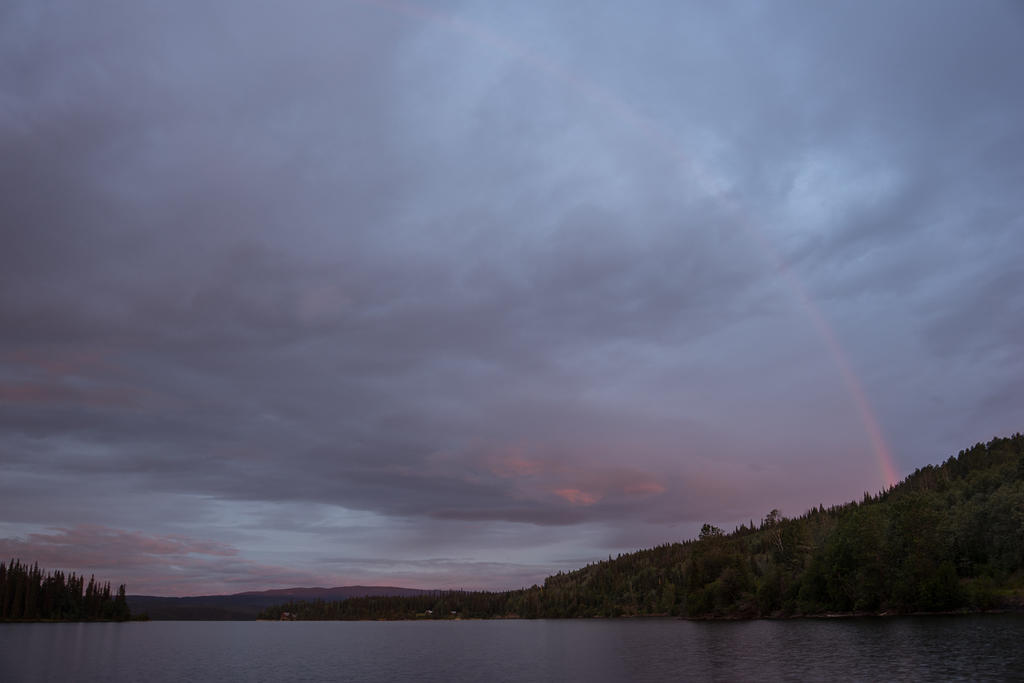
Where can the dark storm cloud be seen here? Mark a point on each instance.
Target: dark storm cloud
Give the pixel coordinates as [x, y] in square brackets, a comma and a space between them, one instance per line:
[523, 268]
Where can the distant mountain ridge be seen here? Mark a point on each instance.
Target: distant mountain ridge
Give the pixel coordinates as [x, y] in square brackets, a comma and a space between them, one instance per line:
[247, 605]
[339, 592]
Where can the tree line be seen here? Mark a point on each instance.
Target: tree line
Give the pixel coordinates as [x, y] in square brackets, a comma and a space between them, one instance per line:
[27, 593]
[948, 537]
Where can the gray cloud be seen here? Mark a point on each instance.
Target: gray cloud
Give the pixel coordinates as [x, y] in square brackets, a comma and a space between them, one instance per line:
[586, 278]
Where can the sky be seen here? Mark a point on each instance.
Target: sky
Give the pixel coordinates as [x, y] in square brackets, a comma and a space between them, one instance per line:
[464, 294]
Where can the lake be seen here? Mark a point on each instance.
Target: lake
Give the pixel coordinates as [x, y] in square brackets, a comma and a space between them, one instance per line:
[975, 647]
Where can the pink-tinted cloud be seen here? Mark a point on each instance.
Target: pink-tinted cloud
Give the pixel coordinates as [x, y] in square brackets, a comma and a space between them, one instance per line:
[581, 476]
[512, 465]
[644, 488]
[161, 565]
[577, 497]
[97, 545]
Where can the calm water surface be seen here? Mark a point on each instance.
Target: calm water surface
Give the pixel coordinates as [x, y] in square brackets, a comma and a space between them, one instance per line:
[978, 647]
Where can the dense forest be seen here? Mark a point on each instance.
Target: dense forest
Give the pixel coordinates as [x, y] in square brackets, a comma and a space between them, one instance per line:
[30, 594]
[948, 537]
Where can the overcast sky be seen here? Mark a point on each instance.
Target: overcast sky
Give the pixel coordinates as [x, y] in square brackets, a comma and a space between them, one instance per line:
[464, 294]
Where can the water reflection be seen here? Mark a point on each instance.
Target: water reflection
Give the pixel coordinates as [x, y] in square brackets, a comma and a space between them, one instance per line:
[977, 647]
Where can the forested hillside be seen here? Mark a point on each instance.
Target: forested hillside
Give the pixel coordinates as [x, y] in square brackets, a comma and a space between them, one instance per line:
[948, 537]
[30, 594]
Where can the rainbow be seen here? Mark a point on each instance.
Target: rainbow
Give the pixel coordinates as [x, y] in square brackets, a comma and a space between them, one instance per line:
[705, 181]
[882, 452]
